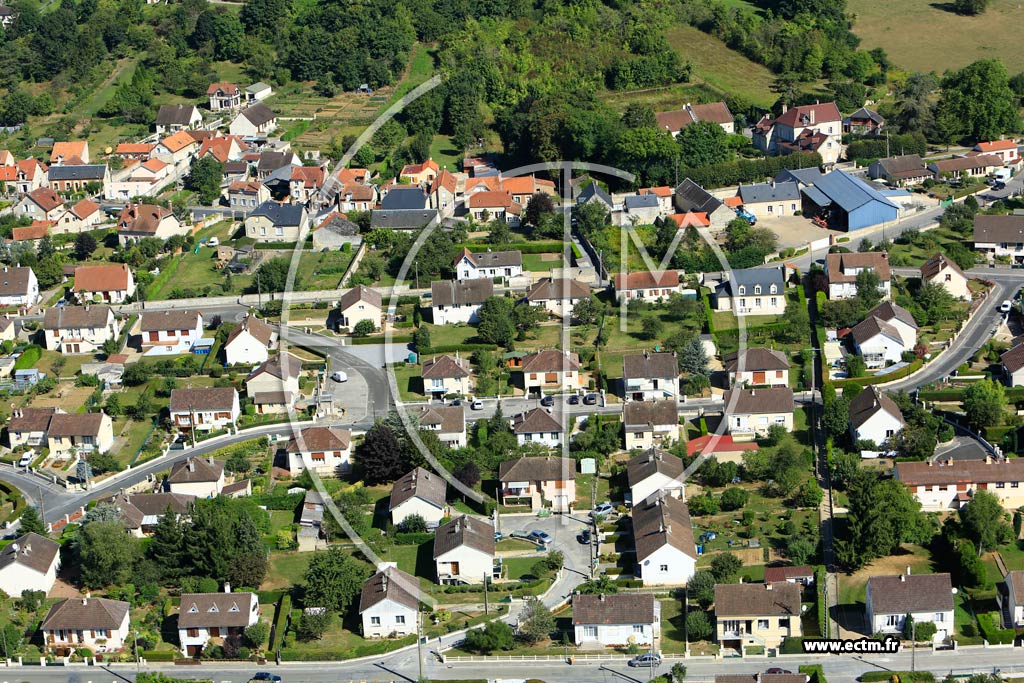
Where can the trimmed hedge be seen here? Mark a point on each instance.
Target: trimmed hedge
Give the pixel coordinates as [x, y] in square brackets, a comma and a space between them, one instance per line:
[747, 170]
[397, 339]
[914, 676]
[452, 348]
[550, 247]
[280, 622]
[17, 500]
[280, 501]
[274, 245]
[869, 379]
[412, 538]
[29, 357]
[990, 631]
[817, 675]
[160, 655]
[270, 597]
[950, 395]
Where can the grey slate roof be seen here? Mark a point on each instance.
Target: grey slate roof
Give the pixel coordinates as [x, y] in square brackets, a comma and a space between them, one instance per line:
[643, 201]
[281, 214]
[465, 293]
[77, 172]
[85, 614]
[464, 531]
[593, 192]
[905, 594]
[760, 401]
[662, 520]
[865, 113]
[174, 114]
[868, 403]
[419, 483]
[653, 461]
[404, 198]
[750, 277]
[889, 311]
[619, 608]
[402, 219]
[257, 114]
[31, 550]
[692, 197]
[769, 192]
[805, 176]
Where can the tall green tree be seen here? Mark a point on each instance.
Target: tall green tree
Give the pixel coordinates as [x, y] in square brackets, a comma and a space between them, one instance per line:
[983, 521]
[333, 579]
[985, 404]
[977, 101]
[167, 546]
[702, 143]
[380, 455]
[106, 554]
[32, 522]
[497, 321]
[204, 179]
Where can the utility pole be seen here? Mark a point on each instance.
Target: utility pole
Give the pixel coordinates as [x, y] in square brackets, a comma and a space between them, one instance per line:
[419, 642]
[486, 610]
[138, 666]
[913, 646]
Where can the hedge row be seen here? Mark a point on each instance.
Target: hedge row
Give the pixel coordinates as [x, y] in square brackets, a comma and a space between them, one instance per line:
[815, 672]
[274, 245]
[280, 501]
[880, 379]
[748, 170]
[280, 622]
[551, 247]
[990, 631]
[17, 500]
[160, 655]
[396, 339]
[270, 597]
[914, 676]
[950, 395]
[452, 348]
[29, 357]
[412, 538]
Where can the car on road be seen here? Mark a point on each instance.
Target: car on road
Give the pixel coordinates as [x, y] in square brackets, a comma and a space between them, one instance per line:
[542, 537]
[574, 400]
[777, 670]
[649, 659]
[590, 400]
[339, 376]
[477, 404]
[1005, 306]
[602, 509]
[584, 537]
[498, 536]
[26, 459]
[999, 185]
[265, 676]
[548, 401]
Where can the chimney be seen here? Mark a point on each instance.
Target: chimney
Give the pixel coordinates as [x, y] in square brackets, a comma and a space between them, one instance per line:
[757, 677]
[908, 570]
[768, 586]
[903, 578]
[227, 586]
[785, 107]
[810, 117]
[988, 459]
[602, 597]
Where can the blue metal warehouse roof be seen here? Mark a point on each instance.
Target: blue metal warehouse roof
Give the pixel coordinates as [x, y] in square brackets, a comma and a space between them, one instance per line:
[769, 192]
[848, 192]
[816, 196]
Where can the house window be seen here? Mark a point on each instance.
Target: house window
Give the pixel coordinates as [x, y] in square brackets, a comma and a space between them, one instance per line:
[949, 277]
[590, 632]
[743, 303]
[770, 209]
[638, 628]
[757, 289]
[773, 289]
[739, 421]
[775, 301]
[731, 625]
[663, 568]
[784, 622]
[554, 435]
[757, 302]
[743, 290]
[892, 620]
[193, 633]
[374, 621]
[762, 624]
[400, 619]
[939, 617]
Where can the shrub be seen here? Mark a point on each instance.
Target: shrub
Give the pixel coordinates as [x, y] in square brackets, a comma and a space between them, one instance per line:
[280, 622]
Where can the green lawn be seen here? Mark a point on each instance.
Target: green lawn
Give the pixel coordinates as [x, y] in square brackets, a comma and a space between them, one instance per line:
[514, 544]
[852, 589]
[541, 263]
[720, 68]
[444, 152]
[519, 567]
[321, 270]
[409, 380]
[196, 272]
[450, 335]
[584, 491]
[286, 569]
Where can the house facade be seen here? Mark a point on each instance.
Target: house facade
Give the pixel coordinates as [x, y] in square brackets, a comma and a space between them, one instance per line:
[647, 285]
[814, 127]
[663, 536]
[389, 604]
[360, 303]
[18, 286]
[79, 434]
[98, 624]
[489, 264]
[464, 551]
[458, 302]
[650, 424]
[30, 563]
[540, 482]
[760, 291]
[874, 417]
[949, 484]
[205, 409]
[758, 366]
[655, 471]
[447, 422]
[943, 271]
[650, 376]
[1010, 597]
[446, 375]
[558, 295]
[617, 620]
[208, 618]
[885, 335]
[538, 426]
[200, 477]
[927, 598]
[751, 412]
[1000, 236]
[112, 284]
[79, 329]
[249, 342]
[841, 271]
[170, 332]
[325, 450]
[756, 614]
[275, 222]
[550, 370]
[420, 492]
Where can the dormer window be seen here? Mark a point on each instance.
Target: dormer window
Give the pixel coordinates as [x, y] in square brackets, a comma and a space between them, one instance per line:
[743, 289]
[193, 609]
[213, 609]
[757, 289]
[774, 290]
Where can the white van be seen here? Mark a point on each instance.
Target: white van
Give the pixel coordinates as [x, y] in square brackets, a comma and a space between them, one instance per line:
[1003, 174]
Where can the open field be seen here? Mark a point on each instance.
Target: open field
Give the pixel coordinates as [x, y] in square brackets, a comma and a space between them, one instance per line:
[921, 35]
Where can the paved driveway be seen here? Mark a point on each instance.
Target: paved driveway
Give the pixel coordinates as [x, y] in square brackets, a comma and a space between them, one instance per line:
[563, 529]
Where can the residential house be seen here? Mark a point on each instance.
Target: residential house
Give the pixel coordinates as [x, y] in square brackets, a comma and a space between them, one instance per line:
[389, 604]
[966, 166]
[277, 373]
[640, 209]
[648, 376]
[927, 598]
[334, 232]
[79, 329]
[647, 285]
[358, 304]
[1000, 236]
[138, 221]
[809, 128]
[489, 264]
[80, 217]
[663, 536]
[354, 196]
[801, 574]
[650, 423]
[325, 450]
[171, 331]
[139, 151]
[23, 176]
[208, 618]
[750, 412]
[947, 484]
[445, 376]
[269, 161]
[32, 233]
[249, 342]
[27, 426]
[420, 174]
[540, 482]
[464, 551]
[143, 179]
[664, 193]
[722, 447]
[1004, 149]
[692, 198]
[204, 409]
[1010, 597]
[945, 272]
[754, 291]
[538, 426]
[246, 195]
[303, 182]
[275, 222]
[30, 563]
[494, 206]
[41, 204]
[141, 512]
[200, 477]
[903, 170]
[18, 286]
[655, 471]
[401, 219]
[848, 203]
[874, 417]
[110, 283]
[256, 120]
[79, 433]
[676, 120]
[443, 191]
[841, 271]
[70, 152]
[176, 149]
[8, 330]
[99, 624]
[885, 335]
[420, 492]
[864, 121]
[594, 193]
[771, 199]
[172, 118]
[223, 148]
[757, 366]
[458, 302]
[756, 614]
[447, 422]
[224, 96]
[558, 295]
[78, 178]
[551, 370]
[1013, 365]
[617, 620]
[257, 92]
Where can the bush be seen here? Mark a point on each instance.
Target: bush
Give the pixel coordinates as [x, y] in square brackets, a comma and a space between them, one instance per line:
[29, 357]
[280, 622]
[413, 538]
[990, 631]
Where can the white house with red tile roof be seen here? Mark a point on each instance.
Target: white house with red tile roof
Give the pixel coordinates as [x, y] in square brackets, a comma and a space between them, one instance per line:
[494, 205]
[1004, 149]
[42, 204]
[138, 221]
[76, 152]
[443, 192]
[223, 148]
[224, 96]
[79, 218]
[108, 283]
[647, 285]
[801, 127]
[418, 174]
[23, 176]
[176, 148]
[133, 150]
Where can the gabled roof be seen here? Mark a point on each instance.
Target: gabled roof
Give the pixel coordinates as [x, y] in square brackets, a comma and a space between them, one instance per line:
[780, 574]
[836, 265]
[65, 425]
[112, 278]
[194, 469]
[889, 311]
[968, 472]
[464, 293]
[175, 114]
[416, 169]
[446, 367]
[551, 360]
[660, 521]
[1013, 360]
[692, 197]
[224, 88]
[84, 208]
[540, 468]
[936, 264]
[258, 114]
[995, 146]
[75, 317]
[757, 599]
[170, 319]
[45, 198]
[419, 483]
[988, 229]
[871, 327]
[283, 366]
[536, 421]
[650, 413]
[204, 610]
[759, 401]
[648, 365]
[142, 219]
[401, 198]
[445, 179]
[910, 593]
[548, 289]
[865, 114]
[751, 277]
[79, 614]
[30, 419]
[756, 359]
[810, 115]
[716, 112]
[30, 550]
[14, 280]
[869, 403]
[339, 224]
[259, 329]
[203, 399]
[850, 193]
[178, 141]
[360, 293]
[904, 166]
[71, 152]
[619, 608]
[449, 419]
[390, 583]
[653, 461]
[286, 215]
[464, 531]
[320, 439]
[492, 259]
[647, 279]
[36, 231]
[85, 172]
[769, 192]
[592, 192]
[967, 163]
[1016, 579]
[643, 201]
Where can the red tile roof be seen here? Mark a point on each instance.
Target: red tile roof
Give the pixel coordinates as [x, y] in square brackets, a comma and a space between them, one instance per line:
[113, 278]
[36, 231]
[796, 117]
[712, 443]
[691, 218]
[227, 88]
[46, 198]
[995, 146]
[647, 279]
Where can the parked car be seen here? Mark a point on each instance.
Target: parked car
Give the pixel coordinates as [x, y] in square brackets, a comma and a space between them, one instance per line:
[542, 537]
[26, 459]
[265, 676]
[648, 659]
[477, 404]
[584, 537]
[213, 242]
[999, 185]
[339, 376]
[574, 400]
[1005, 306]
[627, 499]
[590, 400]
[603, 509]
[548, 401]
[498, 536]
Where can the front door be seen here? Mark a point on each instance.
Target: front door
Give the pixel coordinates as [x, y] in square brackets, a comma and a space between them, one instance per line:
[455, 568]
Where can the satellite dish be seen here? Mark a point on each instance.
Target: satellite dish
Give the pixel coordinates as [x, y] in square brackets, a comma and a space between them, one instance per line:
[108, 150]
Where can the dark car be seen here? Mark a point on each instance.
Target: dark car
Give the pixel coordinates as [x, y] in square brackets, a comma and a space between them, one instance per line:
[646, 660]
[1000, 185]
[266, 676]
[574, 400]
[548, 401]
[584, 537]
[590, 400]
[777, 670]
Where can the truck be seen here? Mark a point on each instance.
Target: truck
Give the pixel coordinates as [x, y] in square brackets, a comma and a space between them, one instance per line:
[746, 215]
